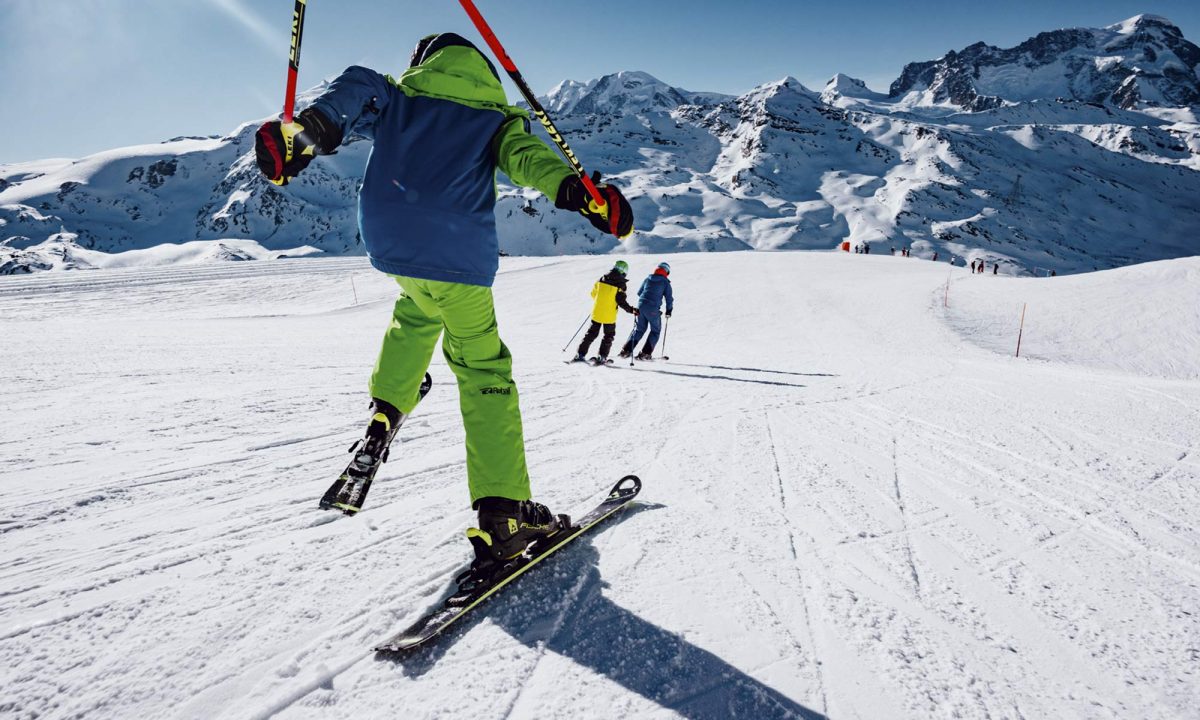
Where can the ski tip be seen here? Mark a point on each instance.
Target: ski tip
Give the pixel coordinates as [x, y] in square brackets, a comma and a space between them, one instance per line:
[398, 645]
[627, 486]
[388, 649]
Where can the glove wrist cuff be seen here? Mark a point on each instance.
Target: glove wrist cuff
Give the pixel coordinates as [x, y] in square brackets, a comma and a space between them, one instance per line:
[323, 133]
[563, 199]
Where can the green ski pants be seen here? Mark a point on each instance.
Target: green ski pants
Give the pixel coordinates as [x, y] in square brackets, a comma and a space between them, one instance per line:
[483, 365]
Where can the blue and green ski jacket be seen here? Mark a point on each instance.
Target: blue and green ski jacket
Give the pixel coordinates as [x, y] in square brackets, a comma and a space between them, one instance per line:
[427, 204]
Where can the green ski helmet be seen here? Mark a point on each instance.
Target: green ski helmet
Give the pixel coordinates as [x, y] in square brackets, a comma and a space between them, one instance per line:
[622, 267]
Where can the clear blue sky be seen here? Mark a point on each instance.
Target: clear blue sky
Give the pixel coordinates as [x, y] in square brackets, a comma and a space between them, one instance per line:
[79, 76]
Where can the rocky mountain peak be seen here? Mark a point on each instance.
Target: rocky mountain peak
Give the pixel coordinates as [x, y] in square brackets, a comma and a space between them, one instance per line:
[1146, 23]
[1142, 61]
[842, 86]
[623, 93]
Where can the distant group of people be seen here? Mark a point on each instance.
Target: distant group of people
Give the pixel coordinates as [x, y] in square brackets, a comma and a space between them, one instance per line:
[609, 295]
[864, 248]
[978, 266]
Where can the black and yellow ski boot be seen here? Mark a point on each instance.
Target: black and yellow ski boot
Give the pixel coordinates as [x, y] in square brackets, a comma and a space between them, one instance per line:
[350, 490]
[508, 527]
[385, 421]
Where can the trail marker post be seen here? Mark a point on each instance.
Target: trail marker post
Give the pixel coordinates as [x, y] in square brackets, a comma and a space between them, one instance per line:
[1021, 331]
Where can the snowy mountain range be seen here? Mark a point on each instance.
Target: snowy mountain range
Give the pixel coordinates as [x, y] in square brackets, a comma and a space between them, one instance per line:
[1076, 150]
[1142, 61]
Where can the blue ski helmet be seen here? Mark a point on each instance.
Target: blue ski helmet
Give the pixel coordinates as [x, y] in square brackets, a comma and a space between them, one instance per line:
[622, 267]
[665, 267]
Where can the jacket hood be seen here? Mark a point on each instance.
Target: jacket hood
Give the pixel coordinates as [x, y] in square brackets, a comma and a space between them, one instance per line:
[614, 278]
[455, 72]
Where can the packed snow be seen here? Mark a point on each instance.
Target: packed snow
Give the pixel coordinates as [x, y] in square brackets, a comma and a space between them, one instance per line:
[857, 503]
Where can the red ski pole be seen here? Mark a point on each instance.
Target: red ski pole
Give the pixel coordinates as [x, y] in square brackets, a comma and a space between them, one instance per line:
[539, 112]
[289, 100]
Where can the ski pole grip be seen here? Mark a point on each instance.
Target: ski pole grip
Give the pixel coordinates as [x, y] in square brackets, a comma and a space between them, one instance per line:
[593, 190]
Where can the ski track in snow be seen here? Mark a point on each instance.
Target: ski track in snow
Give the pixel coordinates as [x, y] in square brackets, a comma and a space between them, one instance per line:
[854, 506]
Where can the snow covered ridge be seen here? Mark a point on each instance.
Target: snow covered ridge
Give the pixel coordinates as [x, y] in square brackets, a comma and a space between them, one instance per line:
[1078, 150]
[1144, 60]
[622, 93]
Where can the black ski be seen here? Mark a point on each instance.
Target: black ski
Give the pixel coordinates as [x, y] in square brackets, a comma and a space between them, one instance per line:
[474, 588]
[349, 491]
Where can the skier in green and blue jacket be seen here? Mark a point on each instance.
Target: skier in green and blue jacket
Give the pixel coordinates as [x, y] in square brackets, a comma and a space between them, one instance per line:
[426, 214]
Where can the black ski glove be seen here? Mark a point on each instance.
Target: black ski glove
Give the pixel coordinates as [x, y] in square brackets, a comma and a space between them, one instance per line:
[282, 151]
[616, 218]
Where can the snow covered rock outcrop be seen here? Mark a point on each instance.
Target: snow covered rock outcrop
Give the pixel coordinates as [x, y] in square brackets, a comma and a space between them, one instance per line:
[621, 93]
[1144, 60]
[842, 88]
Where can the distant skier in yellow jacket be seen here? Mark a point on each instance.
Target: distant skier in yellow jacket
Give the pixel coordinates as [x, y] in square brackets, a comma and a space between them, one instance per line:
[609, 293]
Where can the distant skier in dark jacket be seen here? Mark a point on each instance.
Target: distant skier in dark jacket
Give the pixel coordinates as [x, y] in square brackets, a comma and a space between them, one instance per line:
[439, 133]
[609, 292]
[655, 289]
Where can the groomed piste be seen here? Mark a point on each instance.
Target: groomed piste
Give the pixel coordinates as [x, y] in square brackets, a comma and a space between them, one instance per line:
[856, 503]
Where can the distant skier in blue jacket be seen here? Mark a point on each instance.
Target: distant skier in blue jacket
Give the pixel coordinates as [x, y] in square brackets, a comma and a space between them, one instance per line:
[655, 289]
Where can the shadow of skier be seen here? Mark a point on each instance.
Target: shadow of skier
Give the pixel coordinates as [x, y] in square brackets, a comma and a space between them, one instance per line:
[757, 370]
[562, 608]
[703, 376]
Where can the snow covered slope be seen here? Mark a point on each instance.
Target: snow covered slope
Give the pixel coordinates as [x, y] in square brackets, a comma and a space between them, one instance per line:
[854, 507]
[972, 157]
[1087, 320]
